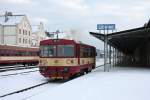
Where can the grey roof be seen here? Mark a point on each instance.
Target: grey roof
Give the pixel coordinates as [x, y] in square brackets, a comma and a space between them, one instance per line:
[12, 20]
[126, 41]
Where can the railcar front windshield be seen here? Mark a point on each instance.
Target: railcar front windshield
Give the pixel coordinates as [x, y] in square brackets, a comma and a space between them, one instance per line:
[57, 50]
[47, 50]
[65, 50]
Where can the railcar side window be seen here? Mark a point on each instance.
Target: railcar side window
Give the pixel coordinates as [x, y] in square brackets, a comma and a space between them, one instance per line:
[65, 50]
[86, 52]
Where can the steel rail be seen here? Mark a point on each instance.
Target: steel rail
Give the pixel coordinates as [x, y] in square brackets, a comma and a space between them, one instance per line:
[23, 90]
[15, 68]
[18, 73]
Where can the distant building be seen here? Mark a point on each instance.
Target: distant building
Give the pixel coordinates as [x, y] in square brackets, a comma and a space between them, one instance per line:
[100, 53]
[15, 30]
[38, 34]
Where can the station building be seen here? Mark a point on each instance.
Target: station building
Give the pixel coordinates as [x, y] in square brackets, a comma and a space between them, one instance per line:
[130, 47]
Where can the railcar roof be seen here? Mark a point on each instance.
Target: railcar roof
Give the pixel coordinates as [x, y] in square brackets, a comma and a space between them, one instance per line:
[62, 41]
[57, 41]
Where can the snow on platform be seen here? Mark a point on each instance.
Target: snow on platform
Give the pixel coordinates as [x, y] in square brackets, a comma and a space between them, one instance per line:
[118, 84]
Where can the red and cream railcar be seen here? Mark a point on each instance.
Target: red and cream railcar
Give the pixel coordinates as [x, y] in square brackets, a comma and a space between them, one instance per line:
[11, 55]
[62, 59]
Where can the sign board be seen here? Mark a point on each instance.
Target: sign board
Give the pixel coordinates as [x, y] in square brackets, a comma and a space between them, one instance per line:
[105, 26]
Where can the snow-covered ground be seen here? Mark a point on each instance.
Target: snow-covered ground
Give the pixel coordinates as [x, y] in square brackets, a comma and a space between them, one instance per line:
[99, 62]
[118, 84]
[17, 71]
[14, 83]
[18, 82]
[32, 92]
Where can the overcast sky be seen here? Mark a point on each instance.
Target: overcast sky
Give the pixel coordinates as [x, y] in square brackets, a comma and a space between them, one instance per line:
[82, 15]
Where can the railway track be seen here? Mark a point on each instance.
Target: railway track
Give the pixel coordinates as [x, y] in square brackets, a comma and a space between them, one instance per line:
[9, 68]
[99, 66]
[23, 90]
[28, 88]
[4, 75]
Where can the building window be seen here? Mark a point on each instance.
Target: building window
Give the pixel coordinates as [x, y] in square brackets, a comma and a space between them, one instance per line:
[29, 33]
[26, 41]
[29, 41]
[19, 31]
[23, 40]
[19, 40]
[23, 31]
[26, 32]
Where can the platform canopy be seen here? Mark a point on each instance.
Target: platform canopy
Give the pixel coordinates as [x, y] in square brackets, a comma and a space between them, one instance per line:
[126, 41]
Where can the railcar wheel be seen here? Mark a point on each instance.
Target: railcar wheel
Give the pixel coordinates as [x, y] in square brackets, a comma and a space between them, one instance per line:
[82, 72]
[90, 70]
[93, 67]
[87, 71]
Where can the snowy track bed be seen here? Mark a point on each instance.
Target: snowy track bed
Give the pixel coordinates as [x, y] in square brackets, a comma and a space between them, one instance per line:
[32, 92]
[16, 71]
[18, 82]
[19, 85]
[23, 90]
[23, 72]
[15, 67]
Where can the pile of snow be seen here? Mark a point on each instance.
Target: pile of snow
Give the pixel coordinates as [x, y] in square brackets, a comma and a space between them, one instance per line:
[118, 84]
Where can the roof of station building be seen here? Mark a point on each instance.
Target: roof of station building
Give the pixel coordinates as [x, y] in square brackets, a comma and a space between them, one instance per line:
[126, 41]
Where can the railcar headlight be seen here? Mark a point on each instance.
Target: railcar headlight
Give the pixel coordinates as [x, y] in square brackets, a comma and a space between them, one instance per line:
[66, 69]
